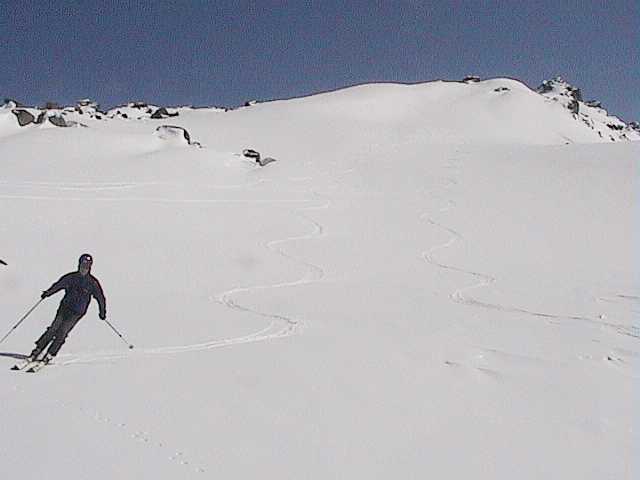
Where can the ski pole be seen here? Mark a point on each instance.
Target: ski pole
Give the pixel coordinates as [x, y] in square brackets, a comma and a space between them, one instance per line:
[118, 333]
[21, 320]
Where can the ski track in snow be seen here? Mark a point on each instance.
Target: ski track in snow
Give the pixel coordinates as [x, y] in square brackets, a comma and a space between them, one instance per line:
[314, 274]
[459, 296]
[279, 325]
[151, 199]
[634, 302]
[103, 186]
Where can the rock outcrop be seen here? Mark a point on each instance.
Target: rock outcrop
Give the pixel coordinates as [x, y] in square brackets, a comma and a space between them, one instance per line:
[590, 113]
[24, 117]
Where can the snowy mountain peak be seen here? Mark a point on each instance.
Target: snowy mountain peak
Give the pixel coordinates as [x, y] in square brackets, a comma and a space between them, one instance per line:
[590, 112]
[559, 87]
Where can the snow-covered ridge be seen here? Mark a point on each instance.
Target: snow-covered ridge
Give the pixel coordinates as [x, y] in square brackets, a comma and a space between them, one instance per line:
[87, 109]
[499, 110]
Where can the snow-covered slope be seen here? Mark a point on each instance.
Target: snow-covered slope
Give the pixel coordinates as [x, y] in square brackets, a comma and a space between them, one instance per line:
[429, 282]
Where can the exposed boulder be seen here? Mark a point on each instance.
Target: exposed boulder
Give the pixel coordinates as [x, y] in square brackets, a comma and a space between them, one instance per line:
[174, 133]
[58, 121]
[252, 154]
[161, 113]
[471, 79]
[24, 117]
[502, 89]
[41, 118]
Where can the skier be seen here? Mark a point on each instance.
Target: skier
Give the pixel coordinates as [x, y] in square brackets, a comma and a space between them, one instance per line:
[79, 287]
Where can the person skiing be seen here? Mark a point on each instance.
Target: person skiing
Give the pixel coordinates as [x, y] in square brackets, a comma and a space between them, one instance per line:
[79, 287]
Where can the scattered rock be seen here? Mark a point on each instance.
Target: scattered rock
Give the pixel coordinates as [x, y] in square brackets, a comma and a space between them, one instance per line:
[501, 89]
[24, 117]
[471, 79]
[41, 118]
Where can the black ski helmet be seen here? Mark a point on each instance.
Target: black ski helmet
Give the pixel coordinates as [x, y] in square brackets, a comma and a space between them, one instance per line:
[86, 259]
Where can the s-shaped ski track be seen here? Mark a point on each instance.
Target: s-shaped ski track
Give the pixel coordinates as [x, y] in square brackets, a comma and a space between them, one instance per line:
[279, 326]
[459, 296]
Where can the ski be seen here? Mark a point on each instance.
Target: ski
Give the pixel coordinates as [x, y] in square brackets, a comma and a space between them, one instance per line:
[22, 365]
[36, 366]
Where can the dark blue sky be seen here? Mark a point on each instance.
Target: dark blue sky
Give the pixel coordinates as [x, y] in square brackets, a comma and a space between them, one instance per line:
[225, 52]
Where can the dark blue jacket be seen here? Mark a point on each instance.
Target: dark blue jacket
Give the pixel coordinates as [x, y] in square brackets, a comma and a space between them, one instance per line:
[78, 292]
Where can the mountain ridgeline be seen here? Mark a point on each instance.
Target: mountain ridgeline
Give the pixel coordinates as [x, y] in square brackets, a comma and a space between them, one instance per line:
[467, 108]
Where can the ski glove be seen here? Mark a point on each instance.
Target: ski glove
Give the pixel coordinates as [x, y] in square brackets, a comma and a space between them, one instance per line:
[44, 295]
[103, 316]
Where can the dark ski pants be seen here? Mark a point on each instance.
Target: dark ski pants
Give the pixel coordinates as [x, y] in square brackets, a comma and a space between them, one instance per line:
[57, 332]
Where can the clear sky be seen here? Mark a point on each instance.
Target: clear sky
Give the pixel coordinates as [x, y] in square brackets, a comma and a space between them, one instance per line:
[226, 52]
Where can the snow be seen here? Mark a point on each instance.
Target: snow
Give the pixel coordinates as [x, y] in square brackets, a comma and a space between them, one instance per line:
[429, 282]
